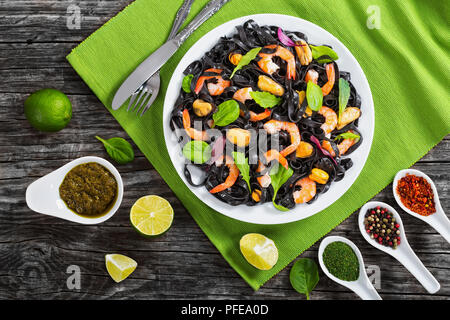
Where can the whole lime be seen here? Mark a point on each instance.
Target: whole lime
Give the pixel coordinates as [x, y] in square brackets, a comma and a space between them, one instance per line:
[48, 110]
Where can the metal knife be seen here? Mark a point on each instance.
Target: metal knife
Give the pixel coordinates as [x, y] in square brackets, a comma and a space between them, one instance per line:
[158, 58]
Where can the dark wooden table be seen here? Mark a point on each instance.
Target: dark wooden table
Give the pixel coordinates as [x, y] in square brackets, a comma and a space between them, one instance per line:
[36, 250]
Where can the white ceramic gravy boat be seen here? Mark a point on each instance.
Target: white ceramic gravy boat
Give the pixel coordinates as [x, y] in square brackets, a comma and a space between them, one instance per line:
[404, 254]
[362, 287]
[438, 220]
[42, 195]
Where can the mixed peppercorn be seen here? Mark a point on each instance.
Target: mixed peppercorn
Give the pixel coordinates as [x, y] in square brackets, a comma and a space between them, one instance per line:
[416, 194]
[382, 227]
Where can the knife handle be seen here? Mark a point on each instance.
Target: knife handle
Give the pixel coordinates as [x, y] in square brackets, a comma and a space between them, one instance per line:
[212, 7]
[180, 17]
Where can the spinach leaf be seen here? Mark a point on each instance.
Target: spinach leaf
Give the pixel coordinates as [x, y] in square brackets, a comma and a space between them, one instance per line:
[186, 85]
[344, 95]
[278, 176]
[314, 96]
[227, 112]
[242, 163]
[246, 59]
[348, 135]
[119, 149]
[304, 276]
[197, 151]
[265, 99]
[323, 54]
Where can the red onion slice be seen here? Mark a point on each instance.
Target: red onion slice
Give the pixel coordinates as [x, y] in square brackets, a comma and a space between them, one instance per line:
[217, 149]
[325, 152]
[284, 39]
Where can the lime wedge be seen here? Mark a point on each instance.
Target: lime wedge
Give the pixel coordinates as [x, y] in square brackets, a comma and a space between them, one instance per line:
[119, 266]
[151, 215]
[259, 251]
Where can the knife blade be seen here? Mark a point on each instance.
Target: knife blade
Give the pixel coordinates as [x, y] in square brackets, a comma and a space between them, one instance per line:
[158, 58]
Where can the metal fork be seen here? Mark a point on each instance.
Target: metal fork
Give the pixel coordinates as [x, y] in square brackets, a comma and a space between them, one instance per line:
[143, 97]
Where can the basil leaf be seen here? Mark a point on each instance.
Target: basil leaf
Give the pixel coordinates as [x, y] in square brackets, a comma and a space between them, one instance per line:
[323, 54]
[119, 149]
[304, 276]
[344, 95]
[246, 59]
[314, 96]
[265, 99]
[278, 178]
[186, 85]
[348, 135]
[227, 112]
[242, 163]
[197, 151]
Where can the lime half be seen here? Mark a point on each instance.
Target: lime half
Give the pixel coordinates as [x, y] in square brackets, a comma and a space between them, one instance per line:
[259, 251]
[151, 215]
[119, 266]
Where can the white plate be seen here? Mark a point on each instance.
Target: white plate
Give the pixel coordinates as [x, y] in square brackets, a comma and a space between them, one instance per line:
[266, 213]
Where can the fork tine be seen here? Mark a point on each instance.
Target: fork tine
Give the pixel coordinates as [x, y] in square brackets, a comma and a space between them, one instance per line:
[144, 101]
[142, 98]
[149, 103]
[132, 99]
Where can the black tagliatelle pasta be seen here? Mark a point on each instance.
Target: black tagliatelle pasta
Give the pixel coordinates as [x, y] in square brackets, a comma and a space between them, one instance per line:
[268, 117]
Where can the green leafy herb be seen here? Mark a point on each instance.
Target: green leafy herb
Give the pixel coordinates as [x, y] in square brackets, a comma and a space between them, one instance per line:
[304, 276]
[246, 59]
[314, 96]
[119, 149]
[348, 135]
[323, 54]
[242, 163]
[279, 175]
[265, 99]
[197, 151]
[186, 85]
[227, 112]
[344, 95]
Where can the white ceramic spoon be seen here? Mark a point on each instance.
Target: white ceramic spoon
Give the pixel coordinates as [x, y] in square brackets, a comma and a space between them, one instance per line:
[438, 220]
[42, 195]
[404, 254]
[362, 287]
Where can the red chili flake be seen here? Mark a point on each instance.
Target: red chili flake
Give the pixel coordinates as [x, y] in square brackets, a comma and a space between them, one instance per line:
[416, 194]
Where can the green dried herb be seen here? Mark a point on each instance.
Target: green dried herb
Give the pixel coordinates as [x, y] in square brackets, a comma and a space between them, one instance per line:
[341, 261]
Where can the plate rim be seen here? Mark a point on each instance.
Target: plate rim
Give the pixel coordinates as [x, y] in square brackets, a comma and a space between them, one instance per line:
[167, 108]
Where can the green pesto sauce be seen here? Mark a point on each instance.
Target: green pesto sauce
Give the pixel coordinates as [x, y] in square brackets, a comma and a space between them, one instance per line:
[341, 261]
[89, 190]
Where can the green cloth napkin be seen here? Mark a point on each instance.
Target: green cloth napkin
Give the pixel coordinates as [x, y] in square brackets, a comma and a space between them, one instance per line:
[405, 60]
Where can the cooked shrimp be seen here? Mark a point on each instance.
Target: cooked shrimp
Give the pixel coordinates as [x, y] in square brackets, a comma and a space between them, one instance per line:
[330, 119]
[232, 176]
[268, 66]
[350, 114]
[326, 88]
[270, 155]
[307, 192]
[243, 95]
[214, 89]
[193, 133]
[343, 146]
[313, 75]
[274, 126]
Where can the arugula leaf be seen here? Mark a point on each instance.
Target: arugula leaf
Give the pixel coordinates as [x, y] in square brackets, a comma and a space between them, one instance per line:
[242, 163]
[119, 149]
[197, 151]
[227, 112]
[246, 59]
[304, 276]
[344, 95]
[348, 135]
[323, 54]
[265, 99]
[314, 96]
[278, 178]
[186, 85]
